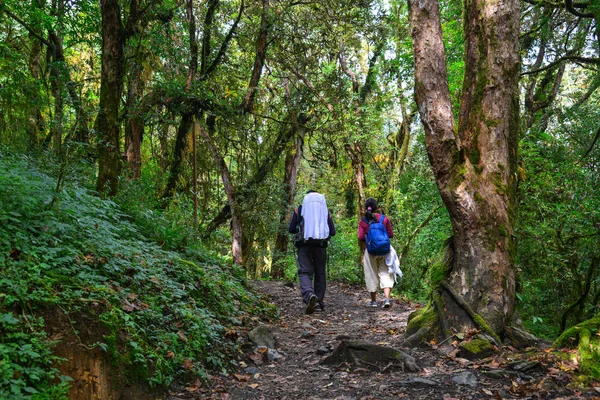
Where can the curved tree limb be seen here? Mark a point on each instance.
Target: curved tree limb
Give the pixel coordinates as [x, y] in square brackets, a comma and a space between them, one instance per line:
[581, 299]
[236, 245]
[217, 60]
[311, 87]
[572, 9]
[263, 169]
[593, 87]
[583, 60]
[596, 137]
[259, 60]
[24, 25]
[477, 321]
[416, 231]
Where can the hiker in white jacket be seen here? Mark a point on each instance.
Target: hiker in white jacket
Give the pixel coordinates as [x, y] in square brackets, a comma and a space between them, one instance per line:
[312, 225]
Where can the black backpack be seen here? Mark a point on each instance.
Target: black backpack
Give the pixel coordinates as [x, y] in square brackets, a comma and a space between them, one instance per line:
[298, 237]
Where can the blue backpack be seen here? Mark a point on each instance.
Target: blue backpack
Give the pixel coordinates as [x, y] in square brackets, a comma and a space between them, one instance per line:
[378, 240]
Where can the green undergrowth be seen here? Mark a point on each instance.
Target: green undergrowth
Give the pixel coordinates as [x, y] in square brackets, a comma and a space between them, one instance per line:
[163, 314]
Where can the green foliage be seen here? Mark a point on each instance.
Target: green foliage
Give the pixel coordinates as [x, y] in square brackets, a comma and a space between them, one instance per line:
[556, 229]
[344, 262]
[156, 307]
[27, 363]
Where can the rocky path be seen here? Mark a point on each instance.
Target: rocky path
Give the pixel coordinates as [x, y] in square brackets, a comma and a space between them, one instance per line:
[294, 368]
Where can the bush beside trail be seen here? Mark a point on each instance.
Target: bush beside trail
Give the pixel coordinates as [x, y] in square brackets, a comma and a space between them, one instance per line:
[162, 315]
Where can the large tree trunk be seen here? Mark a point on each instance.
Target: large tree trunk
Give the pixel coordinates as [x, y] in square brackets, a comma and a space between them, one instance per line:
[355, 153]
[187, 118]
[34, 114]
[134, 126]
[111, 78]
[56, 126]
[475, 166]
[62, 70]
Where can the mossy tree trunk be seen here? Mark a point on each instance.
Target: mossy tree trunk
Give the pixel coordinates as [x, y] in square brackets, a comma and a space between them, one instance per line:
[134, 126]
[475, 163]
[111, 83]
[34, 113]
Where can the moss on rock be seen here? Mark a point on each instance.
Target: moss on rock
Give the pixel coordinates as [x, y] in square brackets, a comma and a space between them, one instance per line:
[476, 348]
[423, 318]
[585, 337]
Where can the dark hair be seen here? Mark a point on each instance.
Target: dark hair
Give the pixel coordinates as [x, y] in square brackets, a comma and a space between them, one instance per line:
[370, 207]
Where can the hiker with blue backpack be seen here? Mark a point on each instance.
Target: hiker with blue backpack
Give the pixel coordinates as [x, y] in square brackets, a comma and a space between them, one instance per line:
[376, 230]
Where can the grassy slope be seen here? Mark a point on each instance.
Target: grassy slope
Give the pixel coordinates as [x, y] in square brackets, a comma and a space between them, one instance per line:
[164, 314]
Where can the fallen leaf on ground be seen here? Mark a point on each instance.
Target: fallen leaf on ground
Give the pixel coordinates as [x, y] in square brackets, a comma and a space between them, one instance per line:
[195, 386]
[242, 378]
[188, 364]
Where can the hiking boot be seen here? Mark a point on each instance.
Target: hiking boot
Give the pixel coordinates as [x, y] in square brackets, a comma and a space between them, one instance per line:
[322, 306]
[373, 304]
[311, 304]
[386, 303]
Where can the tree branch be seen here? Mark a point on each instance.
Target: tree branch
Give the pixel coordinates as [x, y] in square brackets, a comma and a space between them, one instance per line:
[371, 74]
[584, 60]
[348, 71]
[416, 231]
[310, 86]
[582, 297]
[259, 60]
[224, 46]
[571, 8]
[593, 87]
[27, 27]
[591, 145]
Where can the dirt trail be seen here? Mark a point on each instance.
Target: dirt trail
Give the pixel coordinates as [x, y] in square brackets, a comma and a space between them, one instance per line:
[305, 340]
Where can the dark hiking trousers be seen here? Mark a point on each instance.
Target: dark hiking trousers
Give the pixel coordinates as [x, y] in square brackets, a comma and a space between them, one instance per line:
[311, 262]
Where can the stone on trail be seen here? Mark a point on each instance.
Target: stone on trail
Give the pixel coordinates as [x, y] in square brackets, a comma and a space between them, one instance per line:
[306, 335]
[274, 355]
[370, 355]
[521, 339]
[465, 378]
[524, 366]
[415, 382]
[262, 336]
